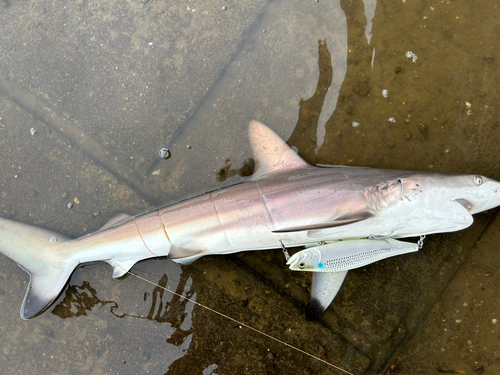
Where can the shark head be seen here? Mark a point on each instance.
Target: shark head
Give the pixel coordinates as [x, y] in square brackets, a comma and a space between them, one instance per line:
[426, 203]
[476, 193]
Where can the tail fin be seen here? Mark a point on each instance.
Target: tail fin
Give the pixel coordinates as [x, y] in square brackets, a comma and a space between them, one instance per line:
[40, 252]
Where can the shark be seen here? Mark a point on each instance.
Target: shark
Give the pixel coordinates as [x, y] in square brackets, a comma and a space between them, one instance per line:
[341, 212]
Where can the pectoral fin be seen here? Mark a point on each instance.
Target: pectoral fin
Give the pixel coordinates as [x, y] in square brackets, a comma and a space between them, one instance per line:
[315, 228]
[324, 288]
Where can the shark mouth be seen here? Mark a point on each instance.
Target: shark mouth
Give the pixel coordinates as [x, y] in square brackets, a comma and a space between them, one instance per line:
[465, 203]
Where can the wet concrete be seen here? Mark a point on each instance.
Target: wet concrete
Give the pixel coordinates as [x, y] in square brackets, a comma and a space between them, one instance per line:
[137, 76]
[460, 332]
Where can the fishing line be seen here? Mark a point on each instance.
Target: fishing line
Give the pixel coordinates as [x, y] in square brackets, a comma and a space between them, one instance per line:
[234, 320]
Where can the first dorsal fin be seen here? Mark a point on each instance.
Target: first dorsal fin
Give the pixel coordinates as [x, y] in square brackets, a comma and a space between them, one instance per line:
[271, 153]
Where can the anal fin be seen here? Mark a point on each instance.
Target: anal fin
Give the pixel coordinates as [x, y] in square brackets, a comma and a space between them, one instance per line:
[121, 267]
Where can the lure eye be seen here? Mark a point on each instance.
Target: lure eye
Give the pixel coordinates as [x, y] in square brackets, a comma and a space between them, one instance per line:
[302, 265]
[478, 180]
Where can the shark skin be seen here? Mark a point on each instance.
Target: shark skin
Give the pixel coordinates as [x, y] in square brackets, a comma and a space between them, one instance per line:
[286, 201]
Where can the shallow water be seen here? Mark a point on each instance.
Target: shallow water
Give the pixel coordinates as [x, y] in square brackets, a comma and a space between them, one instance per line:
[125, 79]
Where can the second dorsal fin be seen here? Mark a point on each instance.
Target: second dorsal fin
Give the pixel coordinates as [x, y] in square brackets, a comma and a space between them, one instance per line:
[271, 153]
[116, 217]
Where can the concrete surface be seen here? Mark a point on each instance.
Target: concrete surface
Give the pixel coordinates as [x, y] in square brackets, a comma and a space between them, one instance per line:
[127, 78]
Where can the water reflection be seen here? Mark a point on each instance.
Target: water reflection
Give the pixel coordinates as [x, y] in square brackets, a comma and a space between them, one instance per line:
[136, 304]
[173, 309]
[165, 307]
[305, 134]
[246, 170]
[79, 300]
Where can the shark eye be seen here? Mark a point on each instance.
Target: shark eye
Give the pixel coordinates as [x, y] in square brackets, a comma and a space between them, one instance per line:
[478, 180]
[302, 265]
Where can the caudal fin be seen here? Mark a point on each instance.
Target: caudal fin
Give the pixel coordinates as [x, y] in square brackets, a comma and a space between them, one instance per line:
[41, 253]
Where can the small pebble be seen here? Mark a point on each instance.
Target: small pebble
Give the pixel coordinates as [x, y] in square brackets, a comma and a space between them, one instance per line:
[423, 130]
[489, 57]
[322, 352]
[70, 205]
[32, 131]
[362, 88]
[355, 124]
[412, 56]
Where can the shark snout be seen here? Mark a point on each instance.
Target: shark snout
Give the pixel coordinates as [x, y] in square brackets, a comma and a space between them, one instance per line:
[487, 196]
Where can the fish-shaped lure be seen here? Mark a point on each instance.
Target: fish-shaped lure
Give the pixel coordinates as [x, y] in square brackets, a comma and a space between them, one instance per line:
[349, 254]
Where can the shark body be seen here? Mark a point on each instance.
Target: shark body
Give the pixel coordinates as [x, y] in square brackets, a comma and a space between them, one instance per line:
[286, 201]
